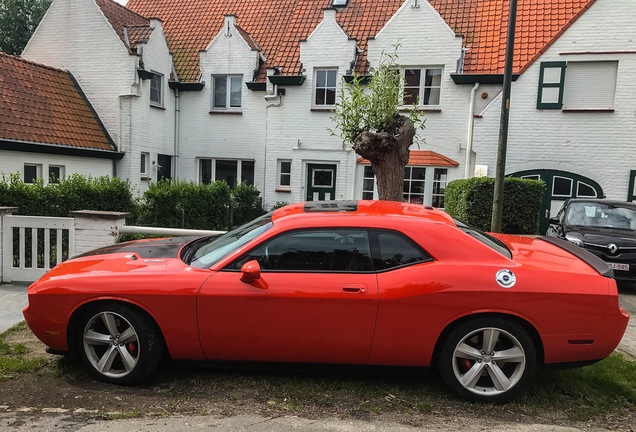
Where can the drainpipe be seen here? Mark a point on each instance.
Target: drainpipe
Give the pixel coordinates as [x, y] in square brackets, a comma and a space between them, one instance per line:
[272, 105]
[469, 137]
[177, 111]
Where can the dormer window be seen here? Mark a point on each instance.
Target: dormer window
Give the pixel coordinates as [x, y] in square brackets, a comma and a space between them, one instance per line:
[339, 3]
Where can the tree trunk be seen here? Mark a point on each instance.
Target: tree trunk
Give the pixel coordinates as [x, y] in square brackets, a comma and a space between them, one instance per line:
[388, 152]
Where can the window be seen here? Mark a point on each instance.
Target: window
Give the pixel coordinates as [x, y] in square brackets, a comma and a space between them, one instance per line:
[339, 3]
[414, 182]
[227, 92]
[32, 172]
[56, 173]
[156, 93]
[229, 171]
[334, 250]
[562, 187]
[439, 186]
[325, 89]
[422, 87]
[396, 251]
[284, 174]
[143, 168]
[577, 85]
[368, 183]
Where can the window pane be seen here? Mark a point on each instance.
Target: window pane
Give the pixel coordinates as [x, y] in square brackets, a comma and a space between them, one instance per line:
[562, 186]
[367, 195]
[410, 96]
[331, 97]
[320, 96]
[220, 91]
[322, 178]
[418, 173]
[247, 172]
[585, 190]
[321, 79]
[55, 174]
[433, 77]
[235, 92]
[144, 163]
[285, 167]
[412, 77]
[205, 168]
[155, 89]
[367, 184]
[396, 251]
[431, 96]
[226, 171]
[331, 78]
[552, 75]
[368, 171]
[30, 173]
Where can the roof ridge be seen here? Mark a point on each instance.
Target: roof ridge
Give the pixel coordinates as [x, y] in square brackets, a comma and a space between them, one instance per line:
[23, 60]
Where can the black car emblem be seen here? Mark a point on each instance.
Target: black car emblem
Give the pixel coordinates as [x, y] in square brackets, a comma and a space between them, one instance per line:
[612, 248]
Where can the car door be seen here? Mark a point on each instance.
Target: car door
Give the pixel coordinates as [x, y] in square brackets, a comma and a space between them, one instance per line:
[315, 301]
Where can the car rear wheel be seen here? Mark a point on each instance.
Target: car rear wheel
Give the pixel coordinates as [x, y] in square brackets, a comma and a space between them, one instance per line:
[119, 344]
[488, 360]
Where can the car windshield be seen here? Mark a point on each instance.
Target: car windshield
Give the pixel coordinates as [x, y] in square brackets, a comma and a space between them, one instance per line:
[205, 252]
[601, 215]
[486, 239]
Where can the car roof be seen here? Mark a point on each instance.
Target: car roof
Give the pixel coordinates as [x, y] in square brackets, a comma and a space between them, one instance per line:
[342, 208]
[602, 201]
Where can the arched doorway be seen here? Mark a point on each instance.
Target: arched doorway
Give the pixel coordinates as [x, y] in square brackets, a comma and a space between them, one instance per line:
[560, 186]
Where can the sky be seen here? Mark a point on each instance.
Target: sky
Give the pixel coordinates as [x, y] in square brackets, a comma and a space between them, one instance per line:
[123, 2]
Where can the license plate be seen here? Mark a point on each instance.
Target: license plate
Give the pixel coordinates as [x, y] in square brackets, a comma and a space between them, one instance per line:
[617, 266]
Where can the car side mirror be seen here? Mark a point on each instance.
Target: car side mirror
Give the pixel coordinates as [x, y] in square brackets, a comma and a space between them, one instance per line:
[250, 271]
[554, 221]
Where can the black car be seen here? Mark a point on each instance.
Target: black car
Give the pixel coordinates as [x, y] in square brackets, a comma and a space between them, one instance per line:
[607, 228]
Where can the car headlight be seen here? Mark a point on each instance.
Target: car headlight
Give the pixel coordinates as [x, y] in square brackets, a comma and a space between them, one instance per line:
[575, 240]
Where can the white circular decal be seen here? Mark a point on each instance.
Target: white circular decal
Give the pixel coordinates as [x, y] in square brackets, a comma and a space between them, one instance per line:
[506, 278]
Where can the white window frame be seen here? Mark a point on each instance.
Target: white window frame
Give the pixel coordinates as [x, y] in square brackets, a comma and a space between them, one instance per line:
[326, 87]
[144, 164]
[283, 174]
[156, 76]
[62, 170]
[228, 93]
[38, 172]
[554, 186]
[422, 85]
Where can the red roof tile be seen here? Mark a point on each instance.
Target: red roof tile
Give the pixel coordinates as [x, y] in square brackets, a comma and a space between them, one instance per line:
[40, 104]
[277, 26]
[130, 27]
[423, 158]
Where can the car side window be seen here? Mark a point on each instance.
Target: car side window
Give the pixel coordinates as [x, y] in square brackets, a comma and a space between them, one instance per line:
[330, 250]
[395, 250]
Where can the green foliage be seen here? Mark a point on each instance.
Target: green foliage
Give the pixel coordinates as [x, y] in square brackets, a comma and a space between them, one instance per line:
[470, 201]
[370, 108]
[18, 20]
[75, 192]
[246, 204]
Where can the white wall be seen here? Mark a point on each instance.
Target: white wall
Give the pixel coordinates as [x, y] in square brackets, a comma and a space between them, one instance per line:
[598, 145]
[12, 162]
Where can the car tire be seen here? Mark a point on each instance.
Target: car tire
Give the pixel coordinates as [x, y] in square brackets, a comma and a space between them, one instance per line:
[119, 344]
[488, 360]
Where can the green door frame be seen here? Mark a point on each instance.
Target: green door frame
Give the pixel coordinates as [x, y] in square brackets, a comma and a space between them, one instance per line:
[548, 177]
[631, 193]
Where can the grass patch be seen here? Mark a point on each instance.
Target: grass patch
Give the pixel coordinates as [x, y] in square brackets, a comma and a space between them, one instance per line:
[120, 415]
[14, 357]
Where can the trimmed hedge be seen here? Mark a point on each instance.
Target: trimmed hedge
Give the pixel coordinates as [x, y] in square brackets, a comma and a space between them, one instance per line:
[180, 204]
[470, 200]
[75, 192]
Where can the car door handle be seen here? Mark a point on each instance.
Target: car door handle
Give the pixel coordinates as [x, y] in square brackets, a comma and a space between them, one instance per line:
[354, 288]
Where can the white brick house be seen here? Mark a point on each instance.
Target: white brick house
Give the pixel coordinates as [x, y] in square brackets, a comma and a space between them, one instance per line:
[253, 85]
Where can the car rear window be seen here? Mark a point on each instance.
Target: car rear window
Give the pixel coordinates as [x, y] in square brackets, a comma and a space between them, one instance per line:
[486, 239]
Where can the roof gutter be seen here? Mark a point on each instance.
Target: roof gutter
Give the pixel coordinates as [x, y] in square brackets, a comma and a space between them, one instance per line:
[48, 148]
[480, 78]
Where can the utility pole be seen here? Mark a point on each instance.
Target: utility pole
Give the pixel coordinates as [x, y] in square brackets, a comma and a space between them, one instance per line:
[497, 201]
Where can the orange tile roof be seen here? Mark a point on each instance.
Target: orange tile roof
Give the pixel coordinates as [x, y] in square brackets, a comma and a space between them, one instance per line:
[130, 27]
[484, 26]
[40, 104]
[423, 158]
[277, 26]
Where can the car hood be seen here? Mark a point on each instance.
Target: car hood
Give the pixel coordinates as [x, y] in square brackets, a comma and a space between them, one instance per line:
[604, 236]
[153, 248]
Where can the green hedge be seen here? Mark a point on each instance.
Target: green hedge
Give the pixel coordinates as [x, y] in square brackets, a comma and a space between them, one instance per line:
[179, 204]
[470, 201]
[75, 192]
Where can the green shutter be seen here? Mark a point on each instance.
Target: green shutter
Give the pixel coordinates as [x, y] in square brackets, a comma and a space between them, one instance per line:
[631, 193]
[545, 85]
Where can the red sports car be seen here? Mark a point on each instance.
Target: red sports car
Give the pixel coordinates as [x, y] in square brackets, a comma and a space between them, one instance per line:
[376, 283]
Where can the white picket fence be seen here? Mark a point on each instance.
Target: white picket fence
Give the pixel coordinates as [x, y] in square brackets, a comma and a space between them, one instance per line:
[34, 244]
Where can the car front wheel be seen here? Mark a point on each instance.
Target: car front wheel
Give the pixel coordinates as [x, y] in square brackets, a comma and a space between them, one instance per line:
[119, 344]
[488, 360]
